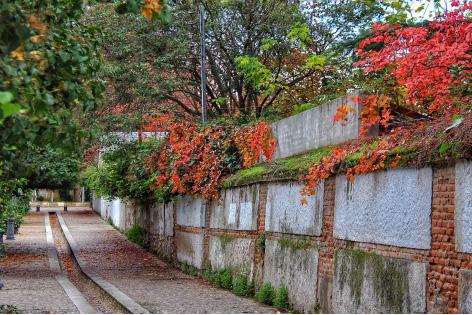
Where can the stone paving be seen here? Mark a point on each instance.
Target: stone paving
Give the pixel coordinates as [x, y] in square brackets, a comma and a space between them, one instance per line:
[29, 284]
[145, 278]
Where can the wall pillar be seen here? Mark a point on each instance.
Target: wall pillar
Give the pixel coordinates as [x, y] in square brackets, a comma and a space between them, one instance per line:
[326, 258]
[444, 263]
[206, 237]
[258, 274]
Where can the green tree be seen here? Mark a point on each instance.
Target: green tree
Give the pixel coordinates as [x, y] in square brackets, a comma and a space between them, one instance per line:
[260, 53]
[48, 68]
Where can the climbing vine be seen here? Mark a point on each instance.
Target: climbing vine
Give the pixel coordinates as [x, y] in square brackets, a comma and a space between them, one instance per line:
[194, 161]
[426, 69]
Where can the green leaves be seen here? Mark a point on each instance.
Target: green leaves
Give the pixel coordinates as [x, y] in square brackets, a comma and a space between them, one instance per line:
[6, 97]
[315, 62]
[50, 81]
[300, 32]
[153, 9]
[256, 73]
[8, 108]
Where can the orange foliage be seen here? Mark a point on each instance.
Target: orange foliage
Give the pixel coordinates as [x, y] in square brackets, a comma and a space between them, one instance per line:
[194, 161]
[151, 7]
[253, 142]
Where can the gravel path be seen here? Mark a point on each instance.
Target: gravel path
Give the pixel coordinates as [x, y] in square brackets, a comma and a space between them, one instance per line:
[144, 277]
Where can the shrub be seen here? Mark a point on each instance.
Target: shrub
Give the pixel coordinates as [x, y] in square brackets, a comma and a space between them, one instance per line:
[2, 251]
[281, 299]
[260, 243]
[210, 276]
[9, 309]
[241, 285]
[266, 294]
[222, 278]
[136, 234]
[188, 269]
[225, 279]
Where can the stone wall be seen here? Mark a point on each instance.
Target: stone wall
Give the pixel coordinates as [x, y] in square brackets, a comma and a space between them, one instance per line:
[370, 283]
[387, 207]
[391, 241]
[314, 128]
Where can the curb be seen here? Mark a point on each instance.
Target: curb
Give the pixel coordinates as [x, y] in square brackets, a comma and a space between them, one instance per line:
[119, 296]
[69, 288]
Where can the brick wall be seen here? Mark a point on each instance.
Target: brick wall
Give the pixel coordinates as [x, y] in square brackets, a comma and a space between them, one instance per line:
[444, 262]
[443, 277]
[259, 253]
[326, 264]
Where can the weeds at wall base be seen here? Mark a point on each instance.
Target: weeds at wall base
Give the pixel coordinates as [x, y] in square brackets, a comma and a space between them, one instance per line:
[281, 299]
[136, 234]
[9, 309]
[3, 251]
[266, 294]
[188, 269]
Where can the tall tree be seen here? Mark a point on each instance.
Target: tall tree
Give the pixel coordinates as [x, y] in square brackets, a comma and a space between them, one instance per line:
[260, 54]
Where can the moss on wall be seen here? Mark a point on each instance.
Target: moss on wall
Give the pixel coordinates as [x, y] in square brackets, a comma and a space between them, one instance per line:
[225, 239]
[296, 244]
[288, 168]
[389, 278]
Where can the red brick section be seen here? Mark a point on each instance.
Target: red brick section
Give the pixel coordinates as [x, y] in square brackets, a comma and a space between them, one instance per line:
[326, 258]
[174, 219]
[259, 254]
[206, 237]
[443, 276]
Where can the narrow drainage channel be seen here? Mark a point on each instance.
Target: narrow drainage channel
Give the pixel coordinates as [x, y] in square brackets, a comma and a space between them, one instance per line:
[98, 298]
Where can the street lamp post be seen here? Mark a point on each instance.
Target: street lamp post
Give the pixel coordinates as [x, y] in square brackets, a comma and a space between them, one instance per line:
[203, 64]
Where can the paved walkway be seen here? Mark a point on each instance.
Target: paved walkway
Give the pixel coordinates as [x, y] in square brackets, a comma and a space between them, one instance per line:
[141, 276]
[29, 283]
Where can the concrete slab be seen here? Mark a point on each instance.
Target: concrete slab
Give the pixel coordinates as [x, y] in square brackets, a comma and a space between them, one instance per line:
[286, 214]
[389, 207]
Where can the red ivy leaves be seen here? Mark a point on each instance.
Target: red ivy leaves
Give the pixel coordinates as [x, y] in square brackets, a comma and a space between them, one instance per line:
[192, 161]
[342, 114]
[432, 63]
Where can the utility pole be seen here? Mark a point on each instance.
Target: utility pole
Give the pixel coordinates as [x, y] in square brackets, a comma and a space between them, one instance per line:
[203, 64]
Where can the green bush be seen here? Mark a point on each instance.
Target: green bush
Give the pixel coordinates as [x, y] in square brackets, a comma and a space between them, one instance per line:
[14, 201]
[222, 278]
[188, 269]
[123, 173]
[8, 309]
[136, 234]
[225, 279]
[2, 251]
[266, 294]
[281, 299]
[241, 285]
[210, 276]
[260, 243]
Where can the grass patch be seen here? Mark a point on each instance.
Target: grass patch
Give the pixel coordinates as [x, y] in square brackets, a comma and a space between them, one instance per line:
[260, 242]
[221, 278]
[281, 299]
[136, 234]
[225, 279]
[288, 168]
[242, 286]
[266, 294]
[9, 309]
[225, 239]
[188, 269]
[295, 244]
